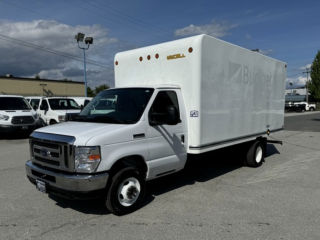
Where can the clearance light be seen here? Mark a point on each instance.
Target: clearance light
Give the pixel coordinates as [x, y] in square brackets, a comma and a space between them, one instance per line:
[116, 63]
[268, 132]
[148, 57]
[190, 49]
[157, 56]
[140, 59]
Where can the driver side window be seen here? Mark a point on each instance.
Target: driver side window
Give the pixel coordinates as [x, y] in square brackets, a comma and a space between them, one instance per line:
[162, 101]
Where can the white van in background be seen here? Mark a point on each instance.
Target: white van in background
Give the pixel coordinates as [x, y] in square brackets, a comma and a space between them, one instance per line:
[54, 110]
[16, 115]
[82, 101]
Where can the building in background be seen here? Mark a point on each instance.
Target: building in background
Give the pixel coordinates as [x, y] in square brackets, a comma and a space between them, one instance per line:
[40, 87]
[297, 94]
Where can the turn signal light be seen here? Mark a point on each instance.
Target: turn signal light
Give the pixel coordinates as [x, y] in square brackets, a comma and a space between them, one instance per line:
[94, 157]
[140, 58]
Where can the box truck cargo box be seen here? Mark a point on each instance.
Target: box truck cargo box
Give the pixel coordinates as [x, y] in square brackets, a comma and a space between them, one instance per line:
[171, 101]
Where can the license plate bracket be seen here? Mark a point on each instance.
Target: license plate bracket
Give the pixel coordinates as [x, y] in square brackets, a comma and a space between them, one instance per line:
[24, 127]
[41, 186]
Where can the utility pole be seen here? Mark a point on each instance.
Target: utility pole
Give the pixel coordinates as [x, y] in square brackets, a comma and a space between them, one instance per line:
[307, 72]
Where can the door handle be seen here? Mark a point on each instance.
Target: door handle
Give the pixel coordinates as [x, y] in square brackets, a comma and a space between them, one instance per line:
[182, 138]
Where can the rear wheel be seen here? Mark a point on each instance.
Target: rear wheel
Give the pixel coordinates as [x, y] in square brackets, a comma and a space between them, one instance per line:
[311, 109]
[255, 155]
[126, 191]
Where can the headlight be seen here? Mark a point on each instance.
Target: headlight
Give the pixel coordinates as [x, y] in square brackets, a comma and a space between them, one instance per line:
[61, 118]
[4, 117]
[87, 159]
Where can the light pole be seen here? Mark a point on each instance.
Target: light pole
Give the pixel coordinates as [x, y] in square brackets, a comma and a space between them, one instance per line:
[291, 87]
[88, 40]
[307, 72]
[42, 84]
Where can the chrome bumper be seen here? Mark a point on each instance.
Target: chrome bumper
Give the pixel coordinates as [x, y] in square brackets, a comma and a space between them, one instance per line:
[67, 182]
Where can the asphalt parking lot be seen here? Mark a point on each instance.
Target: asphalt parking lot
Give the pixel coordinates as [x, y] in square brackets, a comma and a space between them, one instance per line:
[213, 198]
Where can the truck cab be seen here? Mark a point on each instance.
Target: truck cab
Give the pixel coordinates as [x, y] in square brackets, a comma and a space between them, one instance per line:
[54, 110]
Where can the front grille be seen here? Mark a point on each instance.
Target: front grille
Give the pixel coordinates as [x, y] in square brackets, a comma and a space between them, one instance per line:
[22, 120]
[57, 155]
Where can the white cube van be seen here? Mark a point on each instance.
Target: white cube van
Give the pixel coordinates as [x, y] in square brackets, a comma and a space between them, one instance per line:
[16, 115]
[54, 110]
[171, 101]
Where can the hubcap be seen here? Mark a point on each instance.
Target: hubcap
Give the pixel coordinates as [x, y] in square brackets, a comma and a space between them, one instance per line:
[258, 154]
[129, 191]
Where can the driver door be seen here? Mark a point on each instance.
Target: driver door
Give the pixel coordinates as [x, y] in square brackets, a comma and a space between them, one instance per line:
[167, 143]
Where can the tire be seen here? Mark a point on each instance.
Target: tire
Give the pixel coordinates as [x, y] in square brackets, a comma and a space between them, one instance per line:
[126, 191]
[255, 155]
[52, 122]
[311, 109]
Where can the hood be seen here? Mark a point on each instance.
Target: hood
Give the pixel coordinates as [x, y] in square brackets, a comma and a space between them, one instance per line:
[13, 113]
[83, 132]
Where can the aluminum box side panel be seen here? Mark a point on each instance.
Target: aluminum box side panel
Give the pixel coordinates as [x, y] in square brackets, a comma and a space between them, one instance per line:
[242, 92]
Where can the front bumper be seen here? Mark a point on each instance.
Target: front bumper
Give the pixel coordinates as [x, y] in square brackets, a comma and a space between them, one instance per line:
[15, 128]
[68, 185]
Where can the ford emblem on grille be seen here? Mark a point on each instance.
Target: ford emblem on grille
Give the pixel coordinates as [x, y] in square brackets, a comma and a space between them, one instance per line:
[45, 152]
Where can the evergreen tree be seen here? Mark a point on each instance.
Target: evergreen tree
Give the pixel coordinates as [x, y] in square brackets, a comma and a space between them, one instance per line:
[314, 83]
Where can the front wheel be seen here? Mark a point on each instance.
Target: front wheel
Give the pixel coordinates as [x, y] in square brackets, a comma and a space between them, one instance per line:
[311, 109]
[126, 191]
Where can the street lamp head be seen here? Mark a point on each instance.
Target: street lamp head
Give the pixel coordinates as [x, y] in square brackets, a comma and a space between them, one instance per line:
[79, 37]
[88, 40]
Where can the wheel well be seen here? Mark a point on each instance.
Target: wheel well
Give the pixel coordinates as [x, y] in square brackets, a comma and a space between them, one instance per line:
[130, 161]
[52, 120]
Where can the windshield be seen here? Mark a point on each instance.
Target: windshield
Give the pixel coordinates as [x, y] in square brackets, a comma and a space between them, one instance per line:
[124, 105]
[63, 103]
[13, 103]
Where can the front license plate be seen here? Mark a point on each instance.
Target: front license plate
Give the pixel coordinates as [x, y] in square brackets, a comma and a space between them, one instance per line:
[41, 186]
[24, 127]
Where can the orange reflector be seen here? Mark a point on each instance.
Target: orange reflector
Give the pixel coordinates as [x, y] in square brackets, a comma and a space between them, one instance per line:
[190, 50]
[140, 59]
[148, 57]
[94, 157]
[157, 56]
[116, 62]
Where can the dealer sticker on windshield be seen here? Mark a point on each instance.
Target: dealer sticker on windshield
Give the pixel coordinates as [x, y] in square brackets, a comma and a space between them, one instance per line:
[194, 113]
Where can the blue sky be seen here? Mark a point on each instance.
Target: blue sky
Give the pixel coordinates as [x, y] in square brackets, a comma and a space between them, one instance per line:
[285, 30]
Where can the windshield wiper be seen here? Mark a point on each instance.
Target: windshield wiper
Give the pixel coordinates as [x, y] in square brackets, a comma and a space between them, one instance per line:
[107, 119]
[79, 117]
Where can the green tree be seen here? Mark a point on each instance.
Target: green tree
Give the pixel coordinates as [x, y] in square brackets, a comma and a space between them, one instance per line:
[101, 88]
[90, 92]
[37, 76]
[314, 83]
[93, 92]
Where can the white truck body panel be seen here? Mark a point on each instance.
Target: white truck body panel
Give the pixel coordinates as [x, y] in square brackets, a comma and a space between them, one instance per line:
[229, 92]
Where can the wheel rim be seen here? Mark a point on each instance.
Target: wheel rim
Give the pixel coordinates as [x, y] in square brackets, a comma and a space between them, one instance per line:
[129, 191]
[258, 154]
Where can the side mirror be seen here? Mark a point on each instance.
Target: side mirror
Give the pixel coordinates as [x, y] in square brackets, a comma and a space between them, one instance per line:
[169, 117]
[43, 108]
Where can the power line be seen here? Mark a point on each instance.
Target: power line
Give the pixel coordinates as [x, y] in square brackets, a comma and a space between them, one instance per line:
[129, 18]
[113, 20]
[69, 24]
[27, 44]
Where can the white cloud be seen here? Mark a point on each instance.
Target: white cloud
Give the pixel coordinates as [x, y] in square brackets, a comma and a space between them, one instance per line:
[22, 61]
[305, 68]
[215, 29]
[296, 82]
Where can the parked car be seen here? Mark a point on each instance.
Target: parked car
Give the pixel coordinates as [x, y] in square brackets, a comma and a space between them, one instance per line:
[309, 107]
[54, 110]
[291, 107]
[16, 115]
